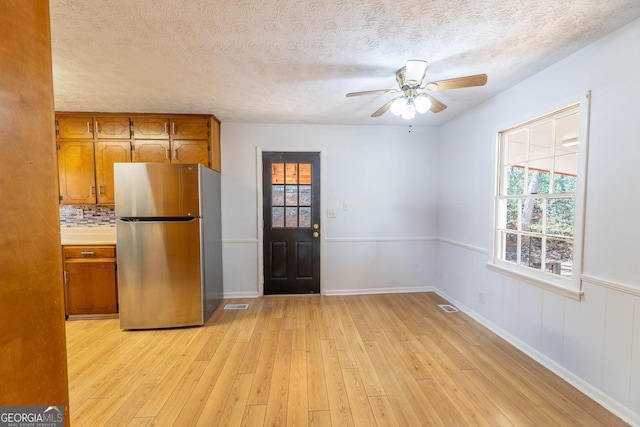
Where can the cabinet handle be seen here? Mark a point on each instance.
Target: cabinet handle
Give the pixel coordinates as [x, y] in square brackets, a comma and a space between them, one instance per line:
[89, 127]
[165, 128]
[92, 190]
[65, 277]
[101, 190]
[97, 127]
[166, 154]
[87, 253]
[173, 128]
[175, 153]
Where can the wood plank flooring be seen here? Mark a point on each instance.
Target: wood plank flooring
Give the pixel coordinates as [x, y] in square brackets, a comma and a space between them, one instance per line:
[367, 360]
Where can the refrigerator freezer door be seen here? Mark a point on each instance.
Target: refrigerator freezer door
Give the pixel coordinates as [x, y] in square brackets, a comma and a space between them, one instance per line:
[159, 274]
[156, 190]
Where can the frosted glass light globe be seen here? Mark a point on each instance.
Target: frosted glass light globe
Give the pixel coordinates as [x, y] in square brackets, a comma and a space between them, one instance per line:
[409, 111]
[397, 106]
[422, 103]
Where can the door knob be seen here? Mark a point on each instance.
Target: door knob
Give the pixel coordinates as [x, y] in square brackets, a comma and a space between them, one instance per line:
[316, 226]
[316, 234]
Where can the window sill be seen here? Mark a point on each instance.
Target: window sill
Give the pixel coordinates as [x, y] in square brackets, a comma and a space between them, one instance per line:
[544, 284]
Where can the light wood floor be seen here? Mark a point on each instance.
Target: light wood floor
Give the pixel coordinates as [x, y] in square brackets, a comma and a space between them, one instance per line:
[374, 360]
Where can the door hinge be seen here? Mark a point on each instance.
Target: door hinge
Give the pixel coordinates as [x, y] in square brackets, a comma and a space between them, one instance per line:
[57, 145]
[60, 197]
[208, 148]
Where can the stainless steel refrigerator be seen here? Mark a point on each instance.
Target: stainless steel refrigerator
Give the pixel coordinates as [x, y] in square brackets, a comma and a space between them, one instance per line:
[169, 244]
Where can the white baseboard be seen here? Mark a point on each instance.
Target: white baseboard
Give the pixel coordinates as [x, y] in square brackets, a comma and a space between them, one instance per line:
[229, 295]
[370, 291]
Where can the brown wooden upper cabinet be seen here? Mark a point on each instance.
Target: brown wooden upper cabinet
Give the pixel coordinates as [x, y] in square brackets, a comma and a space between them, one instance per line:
[167, 139]
[76, 173]
[73, 127]
[113, 127]
[87, 127]
[90, 143]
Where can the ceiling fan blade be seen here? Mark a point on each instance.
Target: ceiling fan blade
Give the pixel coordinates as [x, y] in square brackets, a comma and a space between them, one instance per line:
[372, 92]
[380, 111]
[459, 82]
[436, 106]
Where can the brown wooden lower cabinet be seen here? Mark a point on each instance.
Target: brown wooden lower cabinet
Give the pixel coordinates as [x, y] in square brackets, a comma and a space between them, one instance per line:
[90, 281]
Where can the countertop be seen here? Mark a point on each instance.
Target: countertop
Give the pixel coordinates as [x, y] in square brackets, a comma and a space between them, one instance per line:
[88, 235]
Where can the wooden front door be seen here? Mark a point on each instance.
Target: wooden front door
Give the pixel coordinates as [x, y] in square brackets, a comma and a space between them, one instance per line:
[291, 203]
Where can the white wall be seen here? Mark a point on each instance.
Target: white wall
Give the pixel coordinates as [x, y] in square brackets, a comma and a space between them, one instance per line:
[594, 343]
[384, 242]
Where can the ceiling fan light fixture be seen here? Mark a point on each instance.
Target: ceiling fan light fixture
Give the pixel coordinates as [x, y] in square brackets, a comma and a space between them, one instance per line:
[397, 106]
[415, 71]
[409, 111]
[422, 103]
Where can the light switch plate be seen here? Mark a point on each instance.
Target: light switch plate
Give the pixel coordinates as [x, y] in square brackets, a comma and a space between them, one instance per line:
[331, 213]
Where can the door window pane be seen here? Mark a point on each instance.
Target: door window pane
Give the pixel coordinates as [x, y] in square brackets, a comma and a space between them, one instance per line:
[291, 217]
[277, 195]
[305, 218]
[305, 173]
[277, 173]
[292, 173]
[305, 195]
[277, 217]
[292, 195]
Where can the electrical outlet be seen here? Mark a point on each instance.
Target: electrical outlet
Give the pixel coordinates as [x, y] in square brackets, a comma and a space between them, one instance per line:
[480, 297]
[345, 206]
[79, 213]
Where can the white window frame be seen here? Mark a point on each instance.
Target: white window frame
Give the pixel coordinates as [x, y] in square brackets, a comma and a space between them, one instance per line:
[570, 287]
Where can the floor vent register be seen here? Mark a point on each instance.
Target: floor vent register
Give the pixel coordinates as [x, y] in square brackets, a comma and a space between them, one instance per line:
[448, 308]
[236, 306]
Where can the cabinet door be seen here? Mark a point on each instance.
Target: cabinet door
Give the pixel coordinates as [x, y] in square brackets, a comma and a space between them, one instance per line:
[153, 151]
[76, 172]
[190, 128]
[113, 128]
[108, 153]
[91, 287]
[74, 127]
[191, 151]
[155, 127]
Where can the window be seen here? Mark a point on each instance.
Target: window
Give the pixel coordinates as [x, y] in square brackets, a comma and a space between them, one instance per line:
[291, 195]
[538, 205]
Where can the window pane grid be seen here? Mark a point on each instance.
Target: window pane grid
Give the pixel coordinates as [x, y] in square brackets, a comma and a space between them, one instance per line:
[291, 199]
[534, 221]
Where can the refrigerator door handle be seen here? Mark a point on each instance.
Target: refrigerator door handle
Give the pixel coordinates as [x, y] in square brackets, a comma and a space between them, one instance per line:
[160, 219]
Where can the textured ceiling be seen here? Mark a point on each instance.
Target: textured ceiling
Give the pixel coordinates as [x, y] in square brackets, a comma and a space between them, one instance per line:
[293, 61]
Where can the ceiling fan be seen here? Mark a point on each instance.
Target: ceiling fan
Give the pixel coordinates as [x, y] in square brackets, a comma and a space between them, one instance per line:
[412, 100]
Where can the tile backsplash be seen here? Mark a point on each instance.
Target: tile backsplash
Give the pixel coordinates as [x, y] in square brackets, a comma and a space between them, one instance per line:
[92, 216]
